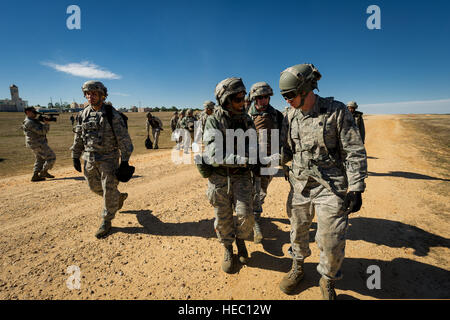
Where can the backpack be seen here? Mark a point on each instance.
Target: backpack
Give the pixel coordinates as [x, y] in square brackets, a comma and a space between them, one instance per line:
[109, 116]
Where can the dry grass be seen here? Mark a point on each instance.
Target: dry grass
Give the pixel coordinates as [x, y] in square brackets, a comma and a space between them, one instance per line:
[16, 159]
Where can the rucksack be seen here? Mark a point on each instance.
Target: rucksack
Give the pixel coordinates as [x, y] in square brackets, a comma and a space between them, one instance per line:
[109, 116]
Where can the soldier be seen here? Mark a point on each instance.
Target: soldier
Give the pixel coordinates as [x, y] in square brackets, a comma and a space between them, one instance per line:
[248, 103]
[188, 125]
[179, 134]
[209, 108]
[229, 181]
[157, 127]
[329, 165]
[72, 119]
[36, 139]
[265, 118]
[173, 121]
[100, 134]
[358, 117]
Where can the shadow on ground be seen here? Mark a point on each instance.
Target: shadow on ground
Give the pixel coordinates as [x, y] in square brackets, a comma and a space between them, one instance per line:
[408, 175]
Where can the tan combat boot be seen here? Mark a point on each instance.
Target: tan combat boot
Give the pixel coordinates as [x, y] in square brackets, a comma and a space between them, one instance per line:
[290, 281]
[45, 174]
[37, 177]
[227, 264]
[104, 229]
[242, 251]
[327, 289]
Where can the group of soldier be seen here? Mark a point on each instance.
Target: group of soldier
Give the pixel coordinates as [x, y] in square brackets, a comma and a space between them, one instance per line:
[321, 138]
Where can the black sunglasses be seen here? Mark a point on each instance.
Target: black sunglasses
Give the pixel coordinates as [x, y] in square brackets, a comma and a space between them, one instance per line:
[290, 95]
[262, 97]
[237, 100]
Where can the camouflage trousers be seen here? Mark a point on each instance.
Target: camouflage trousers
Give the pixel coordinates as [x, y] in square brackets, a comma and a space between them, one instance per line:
[155, 134]
[45, 158]
[102, 180]
[225, 196]
[332, 224]
[261, 184]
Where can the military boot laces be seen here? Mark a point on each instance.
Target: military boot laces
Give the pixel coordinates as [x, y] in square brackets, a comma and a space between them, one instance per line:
[45, 174]
[242, 251]
[293, 278]
[37, 177]
[327, 289]
[104, 229]
[227, 264]
[257, 233]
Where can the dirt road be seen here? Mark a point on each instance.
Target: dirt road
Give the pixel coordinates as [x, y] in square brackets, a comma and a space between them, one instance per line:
[163, 245]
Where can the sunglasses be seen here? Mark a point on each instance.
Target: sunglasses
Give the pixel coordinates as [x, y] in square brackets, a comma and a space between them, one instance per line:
[237, 99]
[290, 95]
[262, 97]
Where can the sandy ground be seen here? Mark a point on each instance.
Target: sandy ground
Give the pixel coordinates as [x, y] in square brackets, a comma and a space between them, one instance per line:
[163, 245]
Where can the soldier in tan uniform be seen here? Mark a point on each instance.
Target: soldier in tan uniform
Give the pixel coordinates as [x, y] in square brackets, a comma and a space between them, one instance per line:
[229, 172]
[358, 117]
[36, 139]
[266, 118]
[101, 138]
[329, 165]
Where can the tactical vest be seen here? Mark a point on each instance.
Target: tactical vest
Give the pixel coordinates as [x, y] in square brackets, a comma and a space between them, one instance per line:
[311, 154]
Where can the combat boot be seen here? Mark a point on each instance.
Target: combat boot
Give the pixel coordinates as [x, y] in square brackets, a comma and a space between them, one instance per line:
[242, 251]
[45, 174]
[37, 177]
[257, 233]
[122, 198]
[156, 147]
[293, 278]
[227, 264]
[327, 289]
[105, 227]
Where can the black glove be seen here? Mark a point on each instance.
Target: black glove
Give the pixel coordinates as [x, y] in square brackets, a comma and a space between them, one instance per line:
[125, 172]
[256, 169]
[77, 164]
[352, 201]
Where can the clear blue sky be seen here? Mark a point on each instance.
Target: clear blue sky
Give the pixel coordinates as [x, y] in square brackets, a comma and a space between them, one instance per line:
[164, 53]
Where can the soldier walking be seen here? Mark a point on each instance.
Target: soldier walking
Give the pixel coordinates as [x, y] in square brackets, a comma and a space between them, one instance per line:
[187, 125]
[36, 139]
[358, 117]
[157, 127]
[265, 118]
[101, 136]
[229, 181]
[329, 165]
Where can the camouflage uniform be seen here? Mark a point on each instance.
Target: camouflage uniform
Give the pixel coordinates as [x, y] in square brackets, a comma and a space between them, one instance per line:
[157, 126]
[173, 122]
[187, 124]
[35, 138]
[265, 119]
[328, 160]
[230, 185]
[358, 117]
[99, 146]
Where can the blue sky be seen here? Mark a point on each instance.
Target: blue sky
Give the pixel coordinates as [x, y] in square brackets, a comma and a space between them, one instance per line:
[164, 53]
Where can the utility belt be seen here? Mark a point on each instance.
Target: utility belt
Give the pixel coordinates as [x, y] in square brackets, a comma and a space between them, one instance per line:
[227, 171]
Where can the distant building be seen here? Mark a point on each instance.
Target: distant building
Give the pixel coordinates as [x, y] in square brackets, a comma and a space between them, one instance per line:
[16, 104]
[146, 109]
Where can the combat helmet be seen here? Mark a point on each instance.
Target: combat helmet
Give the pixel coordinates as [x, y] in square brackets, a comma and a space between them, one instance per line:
[92, 85]
[190, 112]
[297, 79]
[260, 89]
[228, 87]
[208, 104]
[352, 104]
